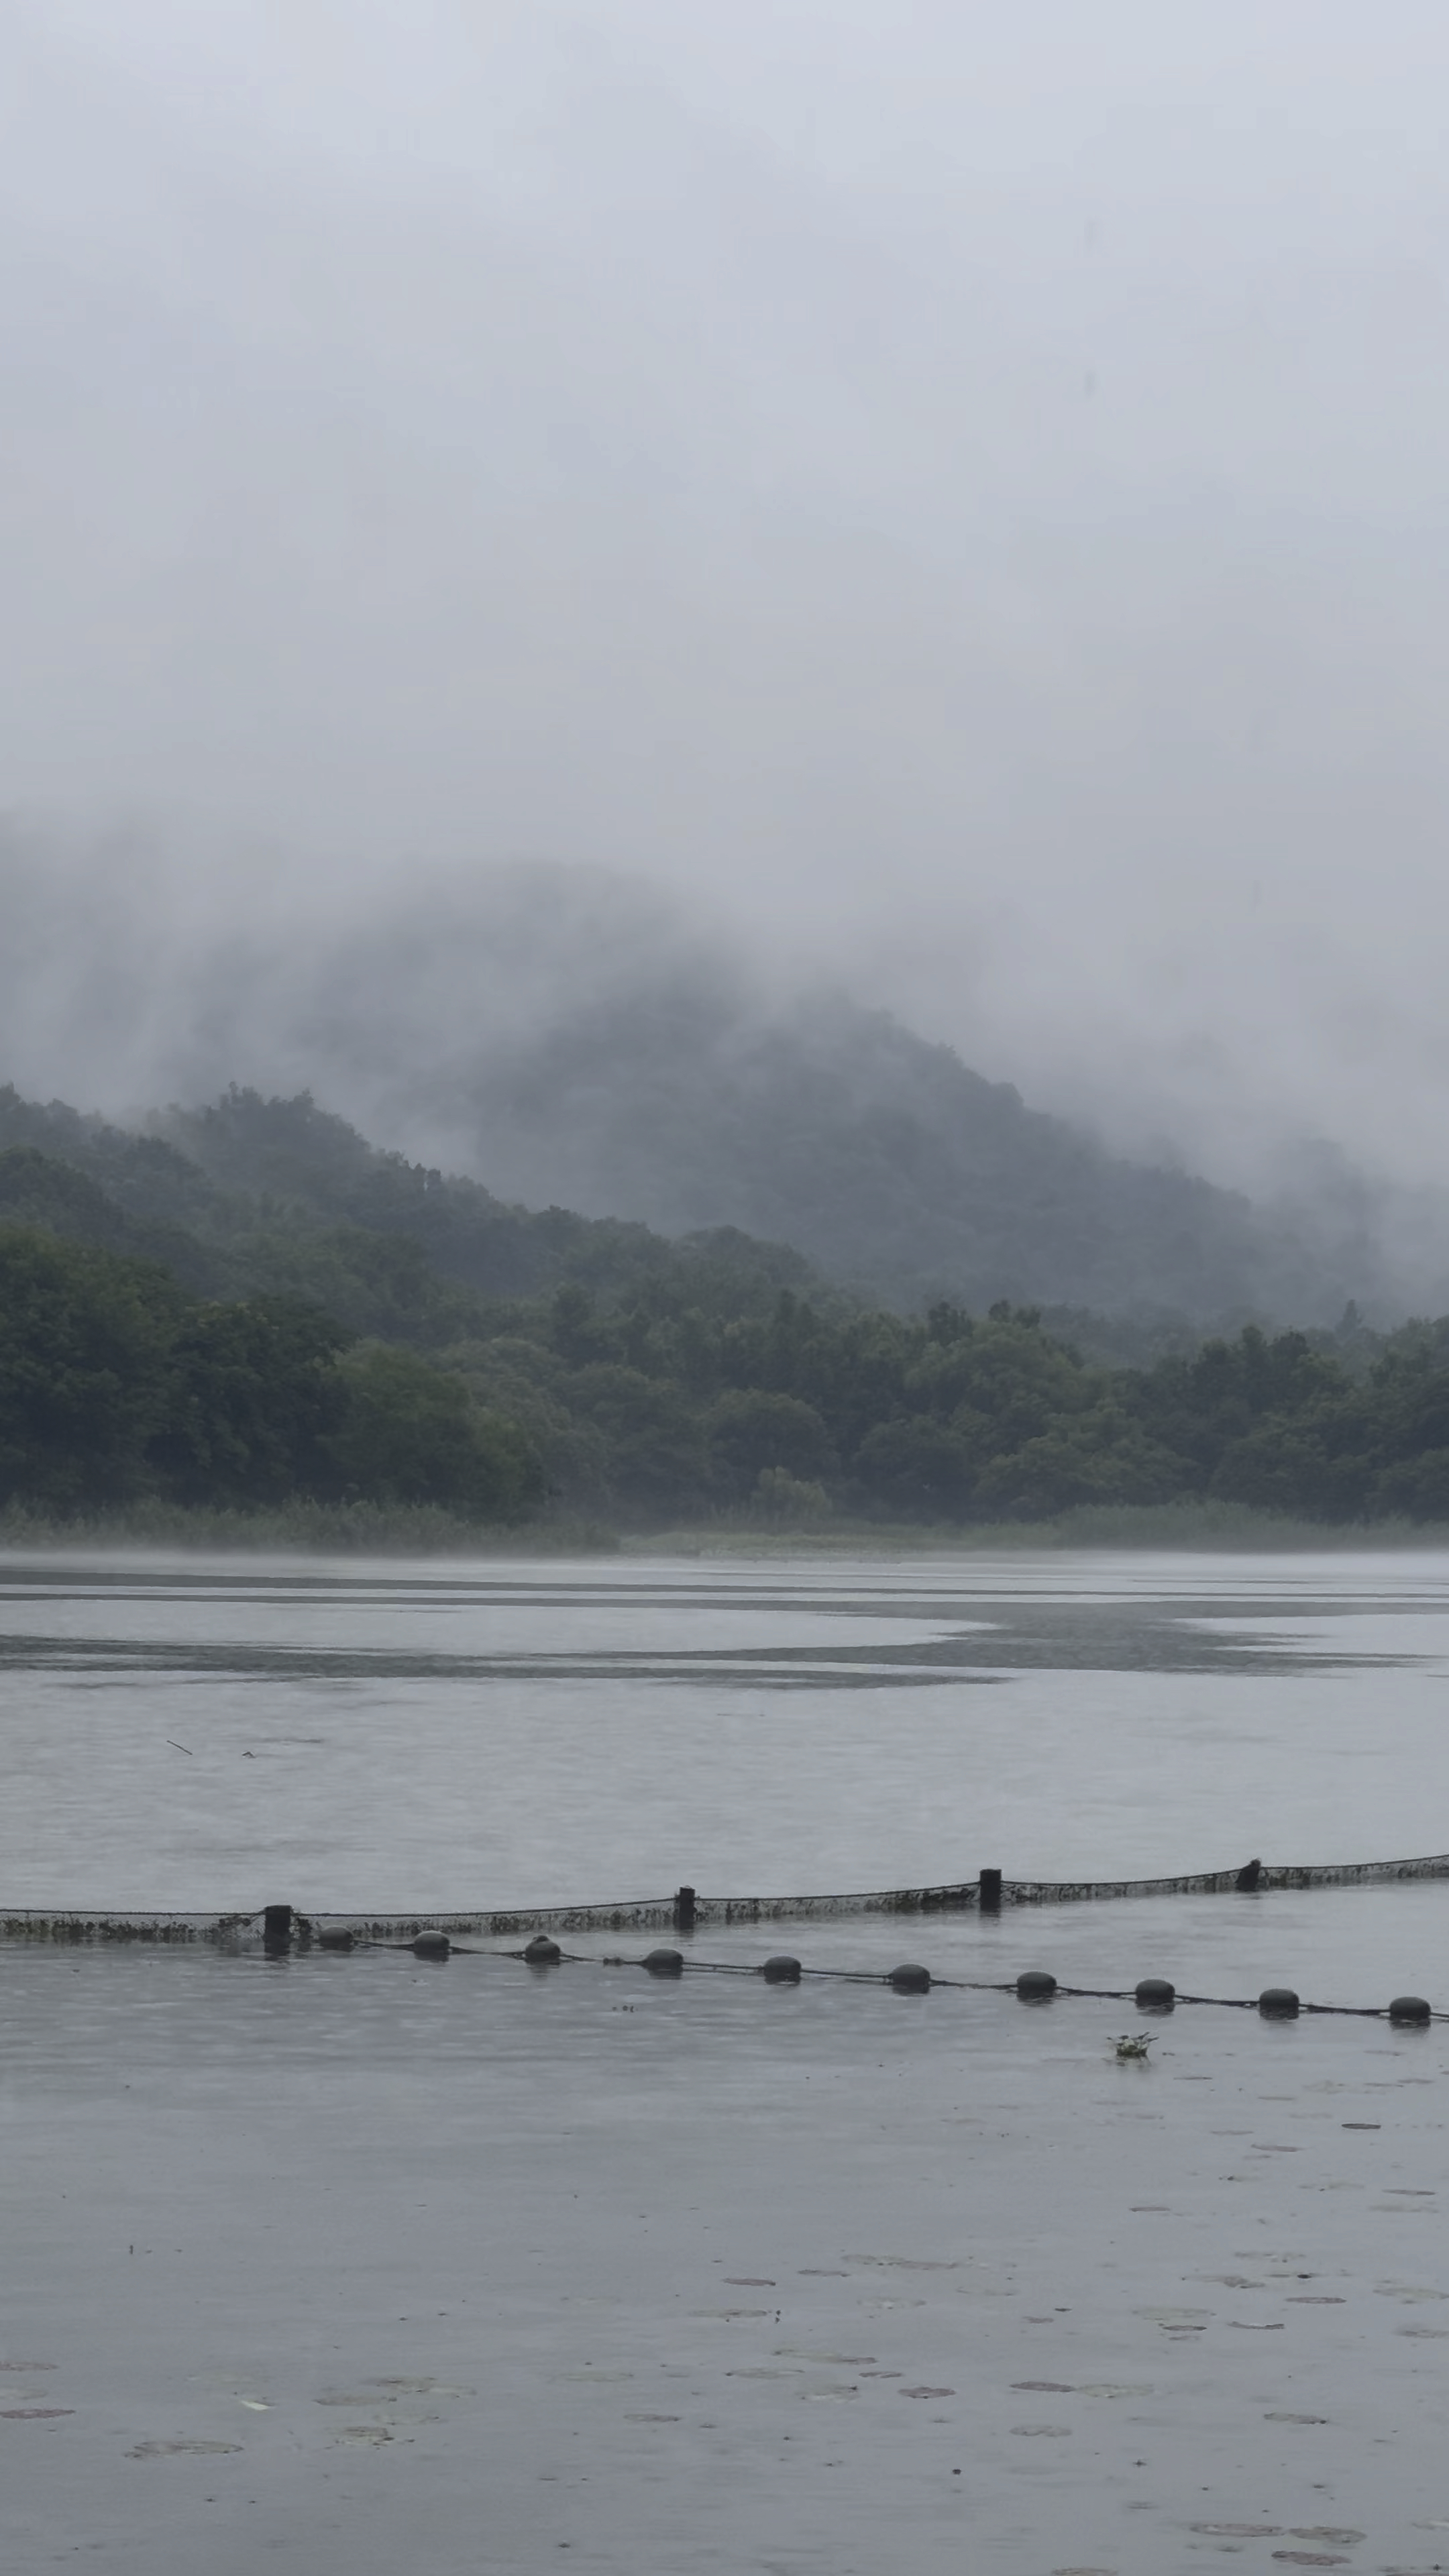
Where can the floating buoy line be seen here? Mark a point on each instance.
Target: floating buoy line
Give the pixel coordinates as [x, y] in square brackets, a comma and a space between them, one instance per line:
[1032, 1986]
[282, 1931]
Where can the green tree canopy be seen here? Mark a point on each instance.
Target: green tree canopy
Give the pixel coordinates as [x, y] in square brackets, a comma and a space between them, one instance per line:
[85, 1338]
[411, 1433]
[750, 1431]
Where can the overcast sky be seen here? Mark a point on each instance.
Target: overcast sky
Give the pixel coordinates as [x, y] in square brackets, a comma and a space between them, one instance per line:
[961, 487]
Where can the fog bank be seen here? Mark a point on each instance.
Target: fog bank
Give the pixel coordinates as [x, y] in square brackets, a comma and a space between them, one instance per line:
[954, 494]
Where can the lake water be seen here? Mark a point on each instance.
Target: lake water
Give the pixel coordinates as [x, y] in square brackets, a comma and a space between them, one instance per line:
[345, 2263]
[431, 1736]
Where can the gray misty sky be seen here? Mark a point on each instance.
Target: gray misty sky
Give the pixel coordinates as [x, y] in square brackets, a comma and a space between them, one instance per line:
[958, 487]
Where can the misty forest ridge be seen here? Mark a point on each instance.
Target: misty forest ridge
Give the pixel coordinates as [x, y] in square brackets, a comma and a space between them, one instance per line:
[245, 1306]
[587, 641]
[577, 1040]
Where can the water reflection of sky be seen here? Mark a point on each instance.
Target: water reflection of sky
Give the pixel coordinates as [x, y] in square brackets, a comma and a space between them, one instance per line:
[347, 2265]
[210, 1733]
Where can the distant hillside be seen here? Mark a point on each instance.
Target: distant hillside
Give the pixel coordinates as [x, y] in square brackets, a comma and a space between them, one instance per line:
[885, 1160]
[277, 1196]
[283, 1360]
[573, 1043]
[568, 1040]
[587, 1054]
[259, 1310]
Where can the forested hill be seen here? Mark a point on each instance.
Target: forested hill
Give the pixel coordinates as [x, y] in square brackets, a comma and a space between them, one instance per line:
[268, 1317]
[277, 1195]
[887, 1161]
[572, 1042]
[907, 1176]
[673, 1093]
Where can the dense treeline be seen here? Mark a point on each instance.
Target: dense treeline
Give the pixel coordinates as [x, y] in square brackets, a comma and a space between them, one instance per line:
[118, 1380]
[115, 1385]
[659, 1412]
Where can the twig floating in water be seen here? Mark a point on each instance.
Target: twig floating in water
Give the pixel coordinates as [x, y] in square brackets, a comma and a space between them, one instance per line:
[180, 1748]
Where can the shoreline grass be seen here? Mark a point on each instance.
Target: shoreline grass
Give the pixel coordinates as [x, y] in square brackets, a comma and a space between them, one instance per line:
[416, 1530]
[303, 1528]
[1190, 1527]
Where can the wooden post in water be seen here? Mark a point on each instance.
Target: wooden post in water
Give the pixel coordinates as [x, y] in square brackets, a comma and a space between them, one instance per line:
[989, 1898]
[277, 1930]
[684, 1910]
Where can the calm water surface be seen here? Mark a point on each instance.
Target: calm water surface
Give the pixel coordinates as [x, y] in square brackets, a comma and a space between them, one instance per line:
[386, 1736]
[340, 2265]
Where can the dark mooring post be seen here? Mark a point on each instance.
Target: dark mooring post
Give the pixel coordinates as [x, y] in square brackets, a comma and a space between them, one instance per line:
[990, 1892]
[277, 1931]
[684, 1910]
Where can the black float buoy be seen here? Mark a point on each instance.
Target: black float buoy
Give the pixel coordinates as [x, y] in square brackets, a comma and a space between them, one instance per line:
[1278, 2003]
[781, 1971]
[1409, 2008]
[665, 1963]
[1036, 1986]
[910, 1980]
[276, 1930]
[541, 1952]
[431, 1945]
[342, 1939]
[1155, 1994]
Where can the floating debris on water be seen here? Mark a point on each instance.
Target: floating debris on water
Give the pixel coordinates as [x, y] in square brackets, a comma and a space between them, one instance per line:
[178, 2449]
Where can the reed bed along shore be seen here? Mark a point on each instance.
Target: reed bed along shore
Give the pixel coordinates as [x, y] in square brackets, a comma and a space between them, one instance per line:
[1204, 1527]
[323, 1529]
[417, 1530]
